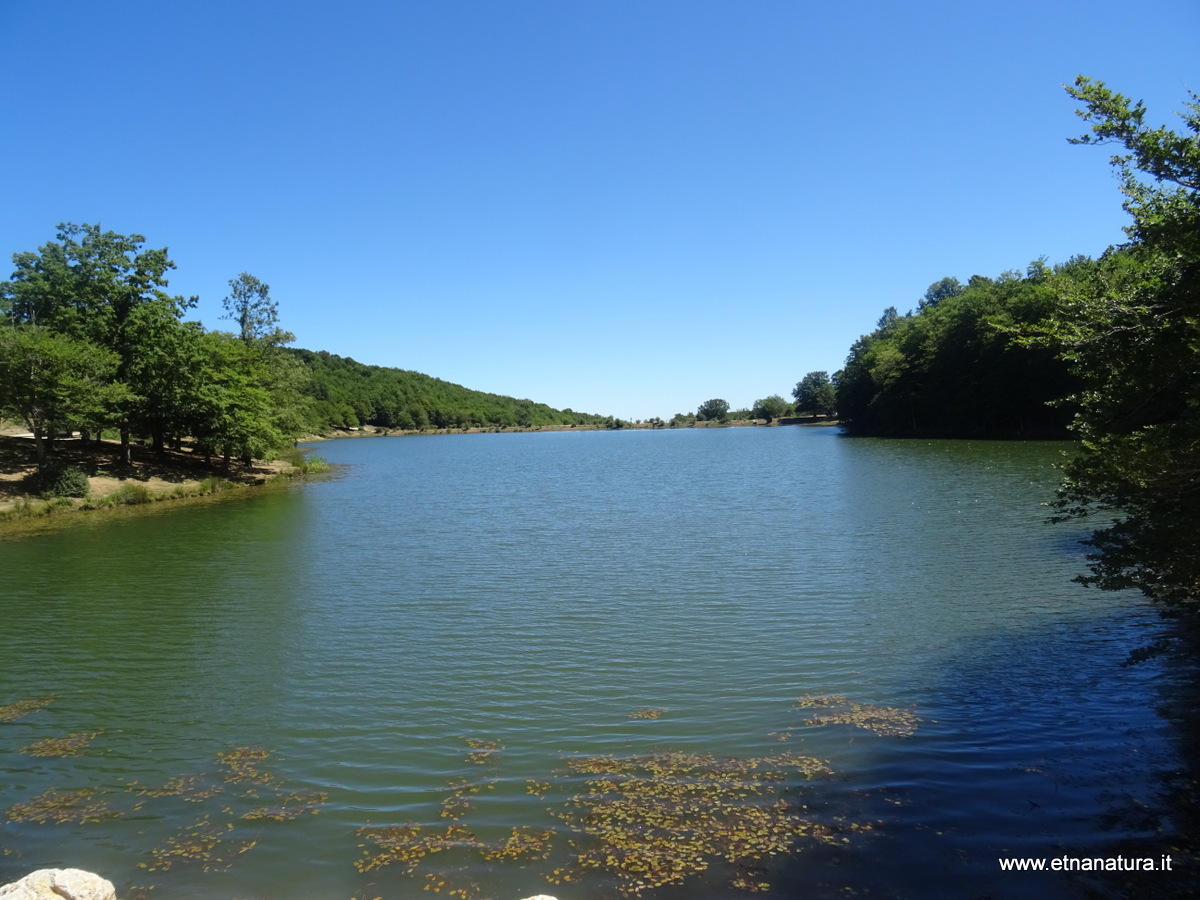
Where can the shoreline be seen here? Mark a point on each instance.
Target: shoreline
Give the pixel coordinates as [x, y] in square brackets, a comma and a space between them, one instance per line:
[151, 480]
[375, 431]
[155, 478]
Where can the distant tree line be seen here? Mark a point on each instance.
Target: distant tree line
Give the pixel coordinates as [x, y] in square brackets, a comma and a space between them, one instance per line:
[347, 394]
[961, 365]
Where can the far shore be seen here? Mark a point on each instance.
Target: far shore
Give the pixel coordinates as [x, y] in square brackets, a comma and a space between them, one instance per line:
[182, 475]
[374, 431]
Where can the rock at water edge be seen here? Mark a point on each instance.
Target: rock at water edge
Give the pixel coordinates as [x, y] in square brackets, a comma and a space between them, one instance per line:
[59, 884]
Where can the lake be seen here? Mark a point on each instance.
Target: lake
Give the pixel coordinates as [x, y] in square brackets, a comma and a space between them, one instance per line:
[462, 664]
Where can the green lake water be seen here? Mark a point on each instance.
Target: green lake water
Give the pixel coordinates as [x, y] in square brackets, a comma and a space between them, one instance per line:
[261, 680]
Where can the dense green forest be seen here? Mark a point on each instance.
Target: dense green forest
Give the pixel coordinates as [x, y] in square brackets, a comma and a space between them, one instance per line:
[92, 341]
[1106, 350]
[962, 364]
[345, 394]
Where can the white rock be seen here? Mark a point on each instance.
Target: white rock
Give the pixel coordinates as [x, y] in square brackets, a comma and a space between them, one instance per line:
[541, 897]
[59, 884]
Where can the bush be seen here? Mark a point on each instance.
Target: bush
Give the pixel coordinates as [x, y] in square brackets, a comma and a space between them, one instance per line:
[62, 481]
[130, 495]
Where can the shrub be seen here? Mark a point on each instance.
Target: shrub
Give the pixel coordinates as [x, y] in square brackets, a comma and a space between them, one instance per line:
[131, 495]
[62, 481]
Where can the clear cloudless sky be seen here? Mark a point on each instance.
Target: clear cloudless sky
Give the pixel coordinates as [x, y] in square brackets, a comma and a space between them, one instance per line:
[623, 207]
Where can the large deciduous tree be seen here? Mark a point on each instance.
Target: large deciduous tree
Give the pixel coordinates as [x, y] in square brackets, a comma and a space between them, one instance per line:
[771, 408]
[715, 410]
[815, 393]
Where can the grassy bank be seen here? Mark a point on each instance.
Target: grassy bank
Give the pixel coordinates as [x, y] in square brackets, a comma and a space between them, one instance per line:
[93, 477]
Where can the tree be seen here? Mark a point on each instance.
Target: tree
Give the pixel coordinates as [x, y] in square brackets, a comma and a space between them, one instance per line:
[888, 319]
[939, 291]
[715, 410]
[771, 408]
[53, 382]
[1131, 334]
[815, 393]
[250, 305]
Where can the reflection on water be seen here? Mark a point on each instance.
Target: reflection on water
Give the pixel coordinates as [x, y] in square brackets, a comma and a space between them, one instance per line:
[669, 664]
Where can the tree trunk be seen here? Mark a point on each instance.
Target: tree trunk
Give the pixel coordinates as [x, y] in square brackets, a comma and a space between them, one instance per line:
[126, 451]
[41, 444]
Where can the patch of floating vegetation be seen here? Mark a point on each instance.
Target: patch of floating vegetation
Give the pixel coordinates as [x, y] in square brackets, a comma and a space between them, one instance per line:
[647, 713]
[202, 842]
[408, 845]
[523, 844]
[453, 884]
[640, 822]
[241, 765]
[459, 803]
[259, 797]
[482, 751]
[192, 788]
[294, 805]
[14, 711]
[882, 720]
[71, 745]
[662, 818]
[58, 807]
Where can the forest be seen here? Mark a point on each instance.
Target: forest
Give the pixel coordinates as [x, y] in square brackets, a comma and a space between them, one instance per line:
[1105, 351]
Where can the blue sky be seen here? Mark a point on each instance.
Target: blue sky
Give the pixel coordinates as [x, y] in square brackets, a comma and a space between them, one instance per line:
[620, 207]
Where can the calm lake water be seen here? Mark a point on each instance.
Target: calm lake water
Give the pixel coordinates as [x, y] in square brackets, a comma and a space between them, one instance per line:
[446, 622]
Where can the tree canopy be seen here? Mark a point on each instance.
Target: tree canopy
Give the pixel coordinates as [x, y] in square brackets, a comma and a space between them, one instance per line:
[815, 394]
[715, 410]
[1131, 335]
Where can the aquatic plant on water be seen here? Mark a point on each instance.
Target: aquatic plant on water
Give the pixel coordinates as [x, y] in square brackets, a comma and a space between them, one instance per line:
[881, 720]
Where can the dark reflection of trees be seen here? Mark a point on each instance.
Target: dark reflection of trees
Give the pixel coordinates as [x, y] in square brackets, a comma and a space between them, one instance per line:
[1176, 814]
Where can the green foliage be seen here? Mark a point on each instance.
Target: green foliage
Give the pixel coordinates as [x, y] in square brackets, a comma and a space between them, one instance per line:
[959, 366]
[53, 382]
[715, 410]
[341, 393]
[771, 408]
[815, 394]
[249, 304]
[1131, 333]
[62, 481]
[939, 291]
[130, 495]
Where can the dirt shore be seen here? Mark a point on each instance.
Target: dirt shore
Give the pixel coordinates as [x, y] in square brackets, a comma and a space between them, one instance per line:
[173, 472]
